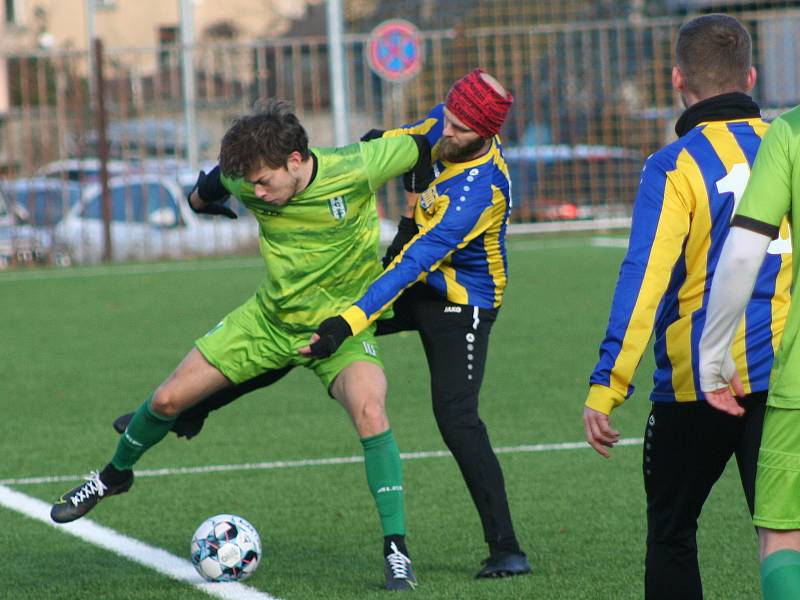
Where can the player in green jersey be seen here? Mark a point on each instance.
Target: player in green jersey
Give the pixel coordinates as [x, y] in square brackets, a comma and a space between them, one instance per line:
[319, 239]
[772, 193]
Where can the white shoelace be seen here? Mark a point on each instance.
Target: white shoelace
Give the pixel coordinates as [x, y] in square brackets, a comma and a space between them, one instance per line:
[398, 562]
[94, 485]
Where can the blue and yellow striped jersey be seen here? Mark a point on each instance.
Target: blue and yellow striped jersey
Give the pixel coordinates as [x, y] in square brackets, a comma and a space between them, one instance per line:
[460, 248]
[431, 127]
[687, 194]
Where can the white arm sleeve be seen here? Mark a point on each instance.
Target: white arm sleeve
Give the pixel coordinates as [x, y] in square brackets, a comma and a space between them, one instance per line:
[731, 289]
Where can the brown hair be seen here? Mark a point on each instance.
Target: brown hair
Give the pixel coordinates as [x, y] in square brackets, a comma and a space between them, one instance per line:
[263, 139]
[714, 54]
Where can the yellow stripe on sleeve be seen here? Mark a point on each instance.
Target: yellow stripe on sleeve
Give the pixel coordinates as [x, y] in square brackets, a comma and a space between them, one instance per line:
[673, 225]
[691, 293]
[419, 129]
[491, 245]
[603, 399]
[356, 318]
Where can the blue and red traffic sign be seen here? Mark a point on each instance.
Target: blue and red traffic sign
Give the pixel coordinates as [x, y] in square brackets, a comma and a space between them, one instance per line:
[395, 51]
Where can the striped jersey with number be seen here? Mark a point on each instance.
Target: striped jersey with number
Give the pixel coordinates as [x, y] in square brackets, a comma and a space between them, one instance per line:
[681, 217]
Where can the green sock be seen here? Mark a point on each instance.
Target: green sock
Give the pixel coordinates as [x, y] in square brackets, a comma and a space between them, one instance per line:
[780, 575]
[144, 431]
[385, 479]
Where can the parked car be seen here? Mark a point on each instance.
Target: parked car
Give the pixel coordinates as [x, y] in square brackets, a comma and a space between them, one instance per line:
[8, 222]
[560, 182]
[35, 206]
[150, 219]
[42, 201]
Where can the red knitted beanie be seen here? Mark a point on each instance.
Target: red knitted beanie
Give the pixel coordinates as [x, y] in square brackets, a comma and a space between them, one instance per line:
[478, 105]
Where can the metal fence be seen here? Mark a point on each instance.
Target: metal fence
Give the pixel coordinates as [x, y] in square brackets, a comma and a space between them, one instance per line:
[593, 99]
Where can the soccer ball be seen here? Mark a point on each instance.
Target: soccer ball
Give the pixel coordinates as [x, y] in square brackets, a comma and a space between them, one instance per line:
[225, 548]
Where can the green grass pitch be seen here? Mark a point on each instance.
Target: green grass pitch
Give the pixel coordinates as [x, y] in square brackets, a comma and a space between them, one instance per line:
[85, 345]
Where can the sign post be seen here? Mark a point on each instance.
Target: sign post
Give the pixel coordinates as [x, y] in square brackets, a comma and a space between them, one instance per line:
[395, 54]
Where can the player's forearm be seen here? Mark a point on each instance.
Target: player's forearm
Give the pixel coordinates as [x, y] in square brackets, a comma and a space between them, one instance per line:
[731, 288]
[378, 297]
[420, 257]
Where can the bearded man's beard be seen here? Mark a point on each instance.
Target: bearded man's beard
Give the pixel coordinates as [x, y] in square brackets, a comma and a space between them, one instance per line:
[450, 151]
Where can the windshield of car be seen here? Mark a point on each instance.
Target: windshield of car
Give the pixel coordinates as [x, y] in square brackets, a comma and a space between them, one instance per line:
[45, 205]
[132, 203]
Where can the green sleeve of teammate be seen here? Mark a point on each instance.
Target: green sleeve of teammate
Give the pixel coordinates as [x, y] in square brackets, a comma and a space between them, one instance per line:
[768, 195]
[387, 158]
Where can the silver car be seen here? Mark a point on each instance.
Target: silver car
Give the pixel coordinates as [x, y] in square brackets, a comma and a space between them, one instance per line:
[149, 219]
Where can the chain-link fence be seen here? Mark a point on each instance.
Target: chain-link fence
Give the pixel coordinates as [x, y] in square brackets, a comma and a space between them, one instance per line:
[591, 82]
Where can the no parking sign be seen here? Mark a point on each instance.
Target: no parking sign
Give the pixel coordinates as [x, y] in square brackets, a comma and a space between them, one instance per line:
[394, 50]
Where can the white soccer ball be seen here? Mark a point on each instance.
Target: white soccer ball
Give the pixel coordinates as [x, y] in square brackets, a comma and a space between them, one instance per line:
[225, 548]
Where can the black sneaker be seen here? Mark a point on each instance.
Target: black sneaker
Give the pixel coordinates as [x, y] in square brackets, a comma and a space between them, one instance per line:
[80, 500]
[399, 575]
[504, 565]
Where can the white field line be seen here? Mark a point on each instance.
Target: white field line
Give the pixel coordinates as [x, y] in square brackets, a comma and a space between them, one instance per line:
[190, 266]
[313, 462]
[609, 242]
[130, 548]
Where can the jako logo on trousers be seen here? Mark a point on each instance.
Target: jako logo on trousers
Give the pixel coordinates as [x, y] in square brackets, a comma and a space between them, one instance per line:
[390, 488]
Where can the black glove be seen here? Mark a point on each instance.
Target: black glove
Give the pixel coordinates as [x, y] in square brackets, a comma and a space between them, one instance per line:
[420, 177]
[372, 134]
[332, 332]
[406, 229]
[212, 194]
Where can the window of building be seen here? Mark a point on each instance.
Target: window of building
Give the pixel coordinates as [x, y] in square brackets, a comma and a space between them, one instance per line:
[11, 12]
[168, 55]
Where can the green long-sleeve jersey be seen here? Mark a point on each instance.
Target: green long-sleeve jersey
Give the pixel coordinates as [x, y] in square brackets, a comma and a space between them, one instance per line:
[321, 249]
[772, 193]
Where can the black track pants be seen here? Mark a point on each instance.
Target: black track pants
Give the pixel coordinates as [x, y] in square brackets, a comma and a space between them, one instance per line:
[686, 448]
[456, 338]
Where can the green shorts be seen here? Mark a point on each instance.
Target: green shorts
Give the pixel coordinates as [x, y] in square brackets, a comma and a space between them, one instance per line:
[244, 344]
[778, 476]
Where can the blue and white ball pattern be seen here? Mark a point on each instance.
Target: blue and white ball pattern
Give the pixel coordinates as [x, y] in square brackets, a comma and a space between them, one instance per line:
[226, 548]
